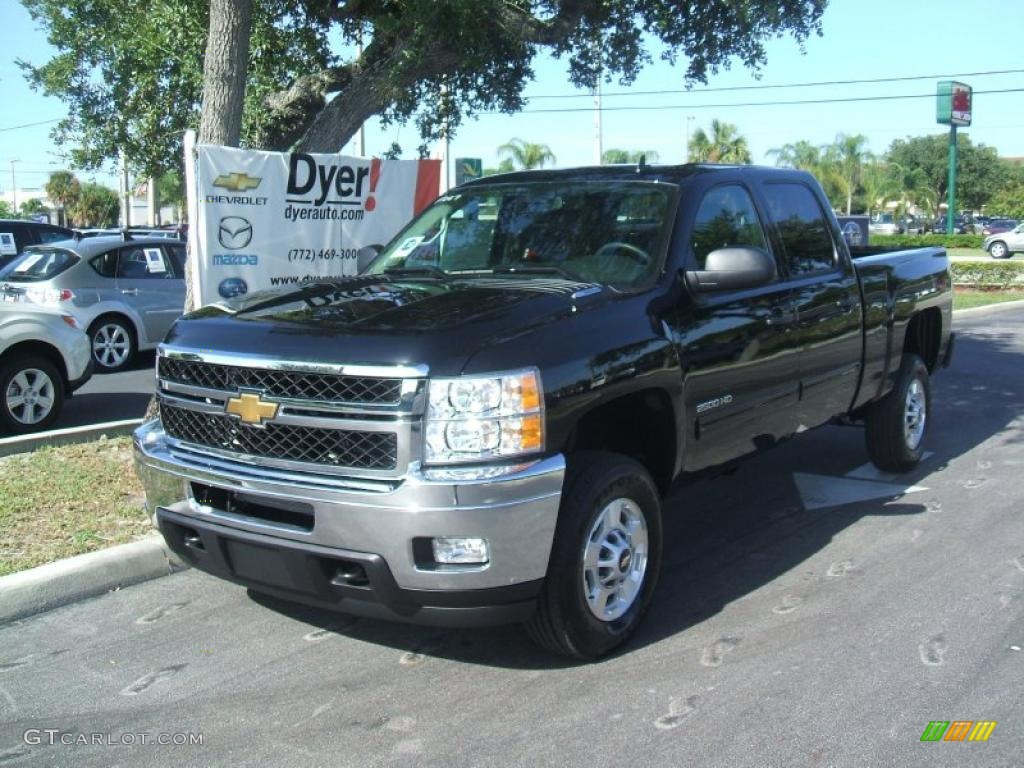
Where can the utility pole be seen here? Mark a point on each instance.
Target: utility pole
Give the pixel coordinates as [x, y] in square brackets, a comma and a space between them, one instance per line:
[686, 150]
[598, 135]
[14, 187]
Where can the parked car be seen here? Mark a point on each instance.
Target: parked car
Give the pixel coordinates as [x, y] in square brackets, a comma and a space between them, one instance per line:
[996, 226]
[124, 292]
[962, 225]
[481, 426]
[1003, 245]
[44, 358]
[916, 225]
[17, 234]
[883, 224]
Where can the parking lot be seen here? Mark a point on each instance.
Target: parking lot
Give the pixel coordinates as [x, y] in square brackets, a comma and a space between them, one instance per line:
[810, 612]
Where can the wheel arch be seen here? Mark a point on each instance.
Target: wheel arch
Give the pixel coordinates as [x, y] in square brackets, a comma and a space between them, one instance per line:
[924, 336]
[641, 425]
[35, 348]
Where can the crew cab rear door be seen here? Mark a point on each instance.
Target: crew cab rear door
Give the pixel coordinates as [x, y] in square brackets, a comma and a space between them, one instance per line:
[738, 352]
[827, 297]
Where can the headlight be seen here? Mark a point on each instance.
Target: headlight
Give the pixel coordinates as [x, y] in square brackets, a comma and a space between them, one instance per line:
[473, 418]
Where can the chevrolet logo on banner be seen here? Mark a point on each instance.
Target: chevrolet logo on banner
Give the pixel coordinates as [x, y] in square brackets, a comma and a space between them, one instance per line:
[238, 182]
[251, 409]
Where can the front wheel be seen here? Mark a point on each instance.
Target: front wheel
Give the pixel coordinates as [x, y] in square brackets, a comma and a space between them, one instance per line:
[604, 560]
[897, 424]
[31, 395]
[998, 250]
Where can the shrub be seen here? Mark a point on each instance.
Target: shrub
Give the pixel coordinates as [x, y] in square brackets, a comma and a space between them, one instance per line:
[920, 241]
[988, 274]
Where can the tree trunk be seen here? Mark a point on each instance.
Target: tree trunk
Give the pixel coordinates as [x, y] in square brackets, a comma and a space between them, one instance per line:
[338, 122]
[227, 57]
[224, 72]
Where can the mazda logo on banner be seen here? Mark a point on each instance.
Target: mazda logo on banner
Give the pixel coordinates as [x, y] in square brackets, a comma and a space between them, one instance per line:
[234, 232]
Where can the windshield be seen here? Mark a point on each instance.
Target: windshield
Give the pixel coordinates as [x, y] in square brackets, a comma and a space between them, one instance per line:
[611, 232]
[35, 265]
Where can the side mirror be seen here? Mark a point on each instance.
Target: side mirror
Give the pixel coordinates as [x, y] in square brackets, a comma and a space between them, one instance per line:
[734, 269]
[366, 255]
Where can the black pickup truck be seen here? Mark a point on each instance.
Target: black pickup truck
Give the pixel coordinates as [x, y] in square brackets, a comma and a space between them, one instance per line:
[480, 427]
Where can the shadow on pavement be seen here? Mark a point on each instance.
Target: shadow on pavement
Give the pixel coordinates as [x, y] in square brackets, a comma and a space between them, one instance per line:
[726, 537]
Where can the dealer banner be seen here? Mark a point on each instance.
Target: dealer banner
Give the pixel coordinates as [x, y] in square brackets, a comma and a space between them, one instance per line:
[272, 219]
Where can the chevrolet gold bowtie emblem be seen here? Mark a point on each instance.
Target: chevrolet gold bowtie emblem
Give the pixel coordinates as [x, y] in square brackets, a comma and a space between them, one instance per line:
[239, 182]
[251, 409]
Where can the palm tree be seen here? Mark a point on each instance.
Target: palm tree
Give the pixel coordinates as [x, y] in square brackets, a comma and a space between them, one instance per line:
[63, 190]
[848, 155]
[525, 155]
[620, 156]
[724, 145]
[802, 155]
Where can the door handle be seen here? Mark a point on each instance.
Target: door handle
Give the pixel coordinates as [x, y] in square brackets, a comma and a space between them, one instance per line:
[781, 316]
[130, 291]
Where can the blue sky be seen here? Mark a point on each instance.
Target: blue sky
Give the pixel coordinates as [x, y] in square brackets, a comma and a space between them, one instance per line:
[861, 40]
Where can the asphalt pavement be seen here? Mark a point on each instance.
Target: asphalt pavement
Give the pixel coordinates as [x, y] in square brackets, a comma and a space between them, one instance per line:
[112, 396]
[811, 612]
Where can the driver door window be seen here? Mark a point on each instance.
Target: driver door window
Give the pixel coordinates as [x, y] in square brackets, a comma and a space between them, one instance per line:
[726, 218]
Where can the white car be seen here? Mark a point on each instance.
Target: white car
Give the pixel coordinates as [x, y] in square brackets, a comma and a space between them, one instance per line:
[1004, 244]
[44, 358]
[883, 224]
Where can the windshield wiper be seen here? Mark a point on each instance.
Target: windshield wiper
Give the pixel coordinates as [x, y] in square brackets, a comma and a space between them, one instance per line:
[424, 271]
[536, 269]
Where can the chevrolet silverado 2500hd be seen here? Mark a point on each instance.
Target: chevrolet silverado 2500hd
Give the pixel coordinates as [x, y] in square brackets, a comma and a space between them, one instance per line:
[481, 426]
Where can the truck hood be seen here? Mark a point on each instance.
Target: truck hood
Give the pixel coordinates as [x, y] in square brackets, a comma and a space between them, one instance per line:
[385, 321]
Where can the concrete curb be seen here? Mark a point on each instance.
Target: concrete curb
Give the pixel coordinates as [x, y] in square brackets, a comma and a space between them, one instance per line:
[75, 578]
[990, 308]
[29, 443]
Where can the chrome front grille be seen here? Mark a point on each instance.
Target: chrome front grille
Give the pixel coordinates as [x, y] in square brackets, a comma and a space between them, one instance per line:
[332, 421]
[312, 445]
[297, 385]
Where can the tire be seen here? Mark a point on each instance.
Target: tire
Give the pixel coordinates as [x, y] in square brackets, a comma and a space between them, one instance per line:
[31, 394]
[112, 341]
[608, 502]
[998, 250]
[898, 423]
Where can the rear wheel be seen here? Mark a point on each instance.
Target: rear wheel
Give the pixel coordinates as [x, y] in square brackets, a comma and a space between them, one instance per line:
[897, 424]
[604, 560]
[31, 394]
[112, 342]
[998, 250]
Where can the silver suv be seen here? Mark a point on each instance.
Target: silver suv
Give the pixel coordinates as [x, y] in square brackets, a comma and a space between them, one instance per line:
[126, 292]
[1004, 244]
[44, 357]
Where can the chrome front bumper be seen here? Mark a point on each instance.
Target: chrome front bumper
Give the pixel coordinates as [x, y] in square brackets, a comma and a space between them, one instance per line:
[515, 509]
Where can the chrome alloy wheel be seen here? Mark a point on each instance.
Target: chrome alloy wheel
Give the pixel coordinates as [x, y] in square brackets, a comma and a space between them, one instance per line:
[30, 396]
[915, 414]
[111, 345]
[615, 559]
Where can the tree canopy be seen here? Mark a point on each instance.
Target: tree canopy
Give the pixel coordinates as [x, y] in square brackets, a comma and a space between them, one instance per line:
[132, 73]
[978, 168]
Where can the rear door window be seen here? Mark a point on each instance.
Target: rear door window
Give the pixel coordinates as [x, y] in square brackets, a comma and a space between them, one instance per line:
[802, 228]
[177, 254]
[143, 262]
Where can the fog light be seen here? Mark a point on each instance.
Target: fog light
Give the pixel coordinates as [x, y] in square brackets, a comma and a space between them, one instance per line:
[452, 550]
